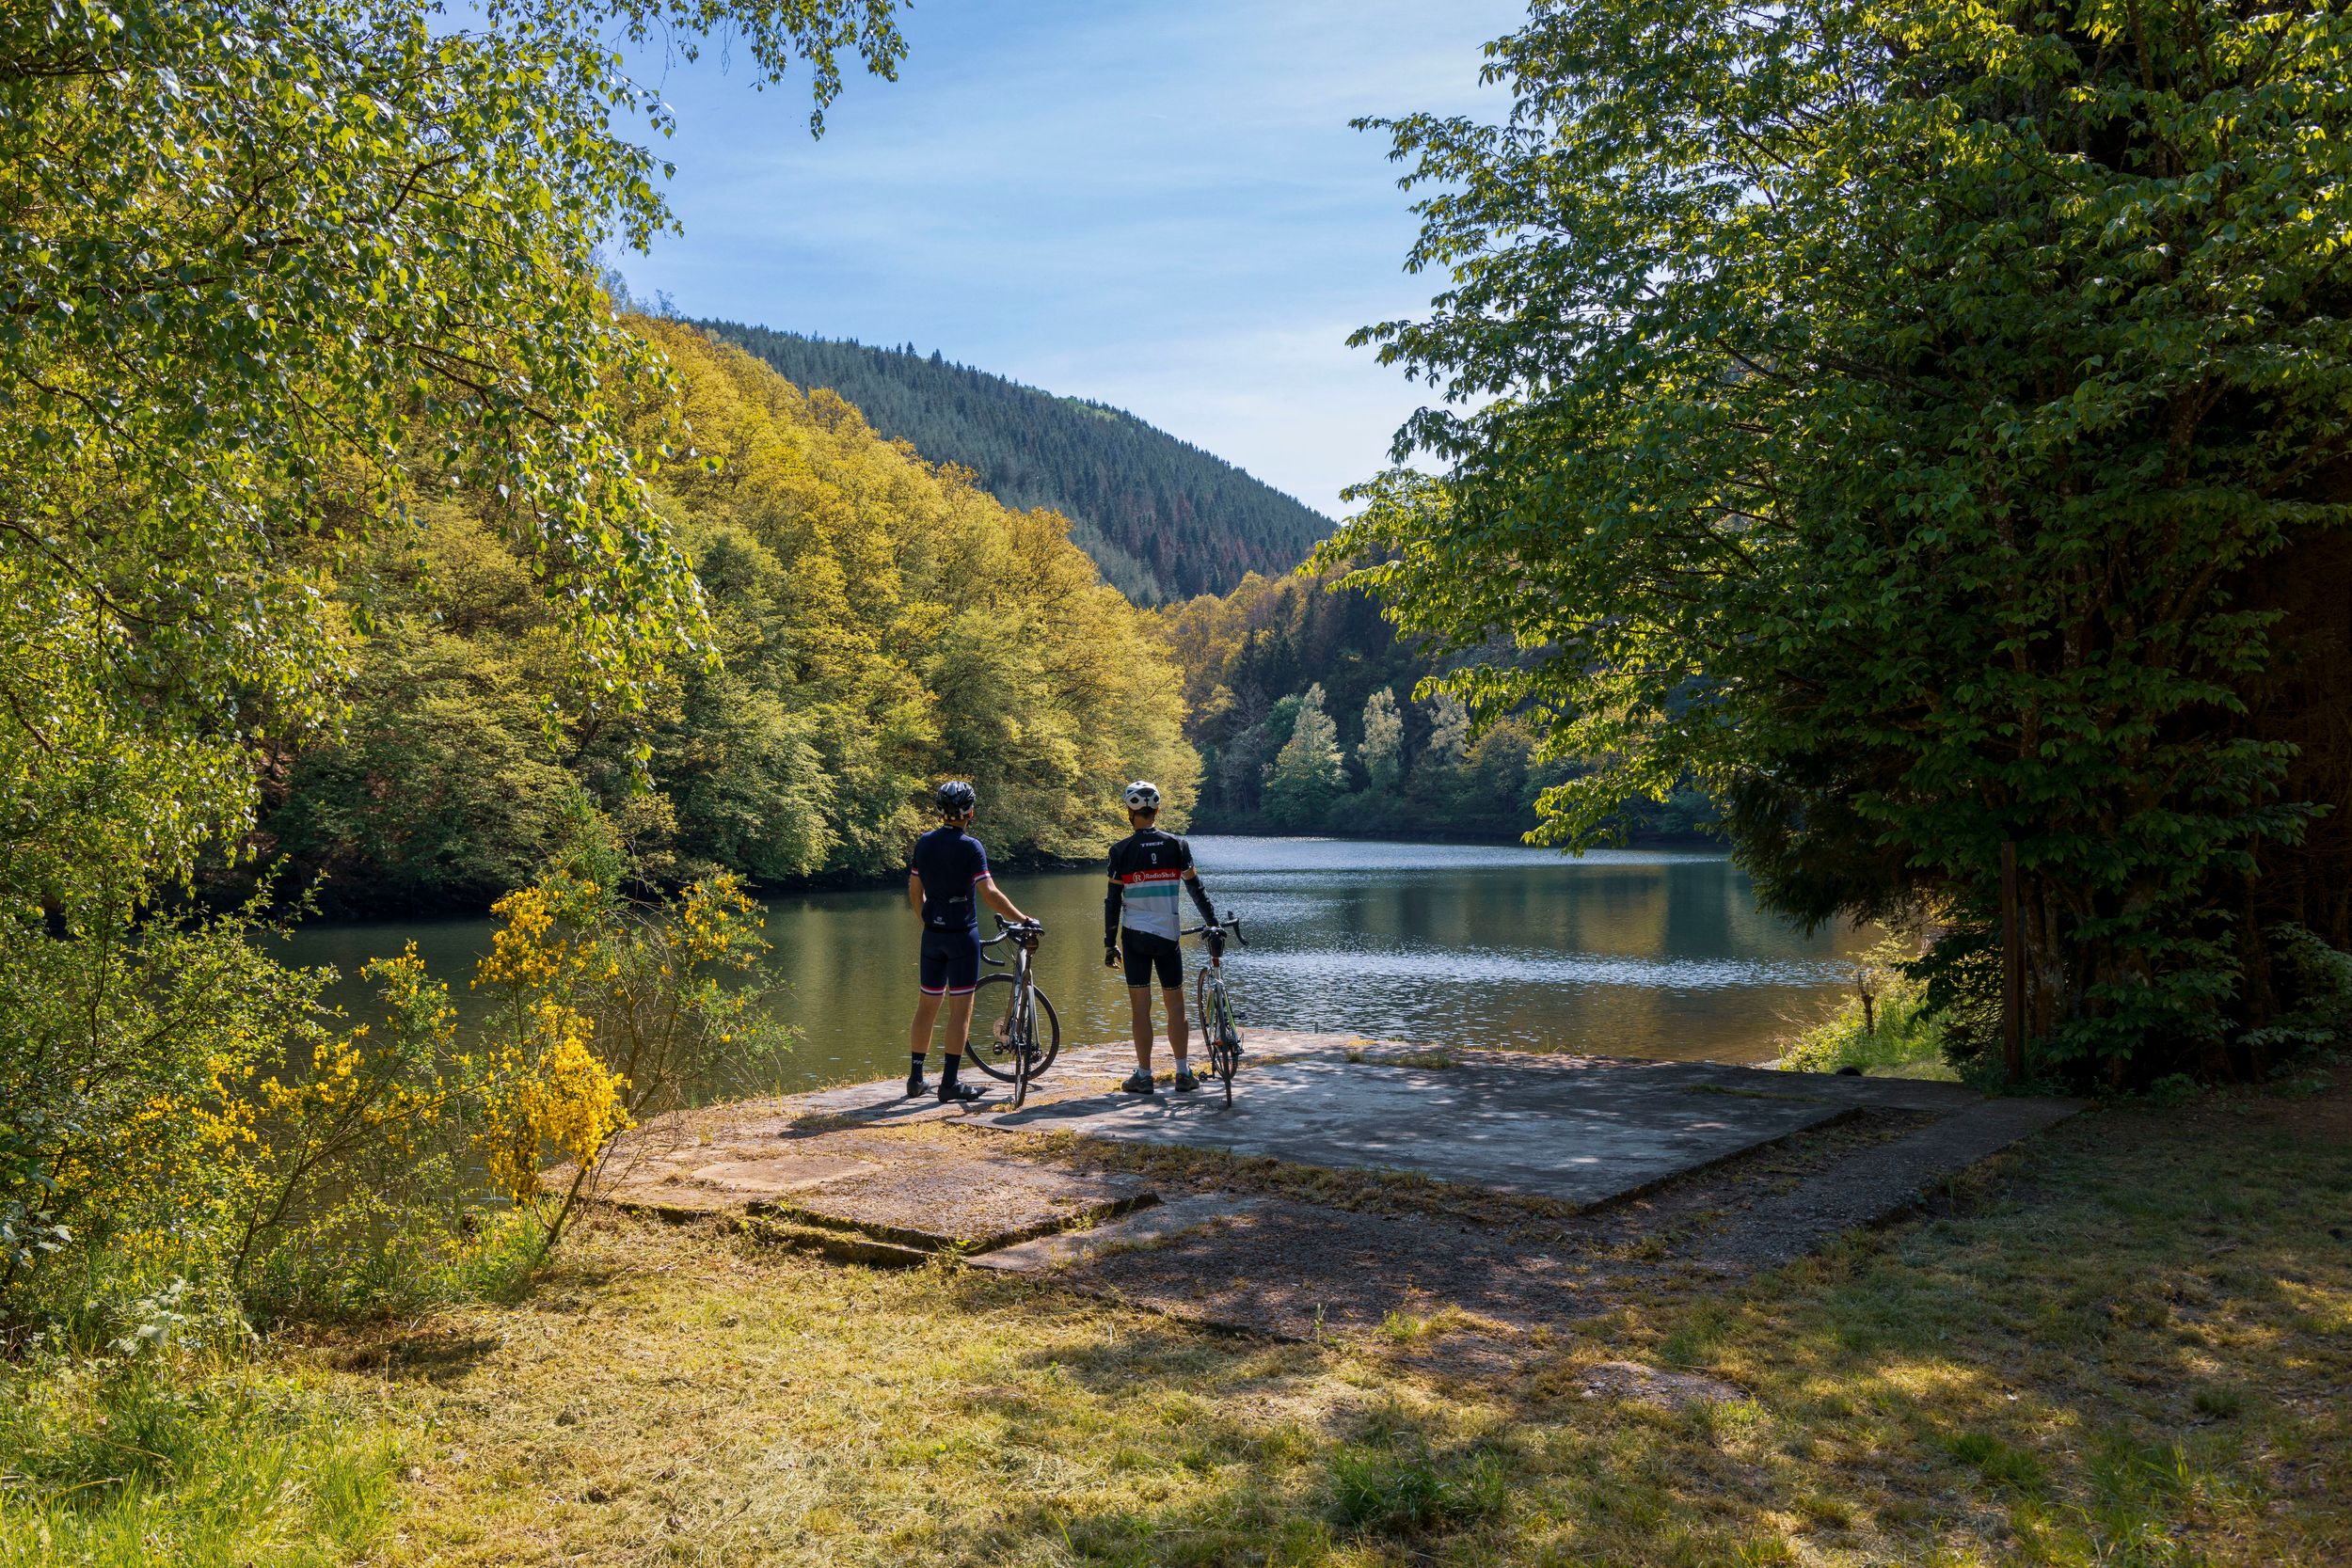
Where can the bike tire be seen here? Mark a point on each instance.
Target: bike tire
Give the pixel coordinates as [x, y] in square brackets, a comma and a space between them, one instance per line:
[1217, 1024]
[992, 1000]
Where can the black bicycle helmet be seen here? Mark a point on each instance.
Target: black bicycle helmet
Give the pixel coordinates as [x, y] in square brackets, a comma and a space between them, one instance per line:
[955, 797]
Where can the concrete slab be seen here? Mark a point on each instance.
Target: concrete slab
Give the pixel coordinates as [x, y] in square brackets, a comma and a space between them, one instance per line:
[970, 1204]
[1875, 1185]
[786, 1173]
[1144, 1228]
[1580, 1133]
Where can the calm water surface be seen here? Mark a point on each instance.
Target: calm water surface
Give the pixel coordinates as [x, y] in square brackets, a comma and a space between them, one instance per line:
[1637, 953]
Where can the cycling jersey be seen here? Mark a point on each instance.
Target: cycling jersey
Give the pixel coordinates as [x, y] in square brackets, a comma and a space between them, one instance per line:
[950, 862]
[1147, 865]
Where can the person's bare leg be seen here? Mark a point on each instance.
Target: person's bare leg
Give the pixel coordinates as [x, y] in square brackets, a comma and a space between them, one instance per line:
[1179, 1027]
[926, 1015]
[1139, 1004]
[958, 1022]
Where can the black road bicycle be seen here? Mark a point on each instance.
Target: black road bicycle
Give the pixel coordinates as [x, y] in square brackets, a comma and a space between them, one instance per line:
[1212, 1005]
[1022, 1035]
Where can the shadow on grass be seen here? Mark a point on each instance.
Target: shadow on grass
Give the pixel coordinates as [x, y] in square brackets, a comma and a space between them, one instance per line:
[2130, 1344]
[416, 1357]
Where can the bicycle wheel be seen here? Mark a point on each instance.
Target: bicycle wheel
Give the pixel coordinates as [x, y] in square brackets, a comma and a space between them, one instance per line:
[993, 1028]
[1216, 1026]
[1227, 1047]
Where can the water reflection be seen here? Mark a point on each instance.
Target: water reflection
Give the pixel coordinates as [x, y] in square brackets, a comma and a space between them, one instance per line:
[1629, 952]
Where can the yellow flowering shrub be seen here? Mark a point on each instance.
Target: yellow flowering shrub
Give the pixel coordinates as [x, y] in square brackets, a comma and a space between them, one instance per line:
[607, 1008]
[548, 1091]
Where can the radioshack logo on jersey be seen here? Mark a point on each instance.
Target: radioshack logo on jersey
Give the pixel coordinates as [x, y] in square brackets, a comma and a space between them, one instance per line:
[1170, 875]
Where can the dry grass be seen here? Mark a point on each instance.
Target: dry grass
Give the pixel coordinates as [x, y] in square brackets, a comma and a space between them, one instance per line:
[2131, 1345]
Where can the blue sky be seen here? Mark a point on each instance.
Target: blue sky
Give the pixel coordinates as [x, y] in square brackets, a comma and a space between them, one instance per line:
[1161, 206]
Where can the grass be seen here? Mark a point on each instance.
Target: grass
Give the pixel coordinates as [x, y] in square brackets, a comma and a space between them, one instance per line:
[1436, 1061]
[1899, 1044]
[235, 1466]
[2128, 1346]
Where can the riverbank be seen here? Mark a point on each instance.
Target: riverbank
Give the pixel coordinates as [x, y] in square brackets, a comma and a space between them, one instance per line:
[2130, 1341]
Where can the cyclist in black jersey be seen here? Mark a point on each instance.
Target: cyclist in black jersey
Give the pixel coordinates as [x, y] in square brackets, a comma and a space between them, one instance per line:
[946, 883]
[1142, 925]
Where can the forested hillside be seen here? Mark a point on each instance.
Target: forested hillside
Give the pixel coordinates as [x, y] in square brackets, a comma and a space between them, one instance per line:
[1163, 518]
[1299, 695]
[881, 621]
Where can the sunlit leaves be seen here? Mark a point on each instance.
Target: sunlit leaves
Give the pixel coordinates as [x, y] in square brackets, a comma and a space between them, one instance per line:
[266, 274]
[1888, 415]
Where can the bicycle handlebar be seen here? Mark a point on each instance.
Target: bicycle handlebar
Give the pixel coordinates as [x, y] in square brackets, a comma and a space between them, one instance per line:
[1230, 927]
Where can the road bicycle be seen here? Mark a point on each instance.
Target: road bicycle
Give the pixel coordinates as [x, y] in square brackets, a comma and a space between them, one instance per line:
[1023, 1035]
[1210, 1002]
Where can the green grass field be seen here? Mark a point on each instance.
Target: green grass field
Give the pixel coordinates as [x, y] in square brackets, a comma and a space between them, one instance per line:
[2126, 1343]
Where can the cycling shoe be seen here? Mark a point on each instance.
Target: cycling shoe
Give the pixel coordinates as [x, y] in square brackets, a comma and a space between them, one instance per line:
[958, 1094]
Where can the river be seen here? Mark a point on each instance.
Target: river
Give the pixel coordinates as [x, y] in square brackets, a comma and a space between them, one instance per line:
[1636, 953]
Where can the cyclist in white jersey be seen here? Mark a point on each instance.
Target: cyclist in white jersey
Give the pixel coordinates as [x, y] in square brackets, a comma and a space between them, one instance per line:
[1141, 927]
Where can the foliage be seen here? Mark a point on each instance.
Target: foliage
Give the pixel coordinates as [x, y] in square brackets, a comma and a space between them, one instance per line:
[1381, 751]
[127, 1065]
[221, 379]
[881, 621]
[349, 1181]
[1309, 770]
[1249, 660]
[1160, 516]
[271, 274]
[1921, 427]
[605, 1011]
[1886, 1026]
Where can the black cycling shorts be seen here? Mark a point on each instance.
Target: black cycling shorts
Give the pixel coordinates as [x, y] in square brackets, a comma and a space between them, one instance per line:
[952, 961]
[1145, 952]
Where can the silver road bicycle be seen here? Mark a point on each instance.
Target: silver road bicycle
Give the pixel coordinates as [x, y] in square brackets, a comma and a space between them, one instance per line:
[1211, 1003]
[1022, 1034]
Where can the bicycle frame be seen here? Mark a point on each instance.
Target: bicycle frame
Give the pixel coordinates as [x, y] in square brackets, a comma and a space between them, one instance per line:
[1022, 1019]
[1217, 1015]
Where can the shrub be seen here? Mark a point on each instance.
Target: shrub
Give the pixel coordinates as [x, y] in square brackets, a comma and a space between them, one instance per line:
[1895, 1030]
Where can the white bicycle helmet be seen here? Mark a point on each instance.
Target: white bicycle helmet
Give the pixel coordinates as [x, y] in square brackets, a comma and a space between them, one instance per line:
[1143, 797]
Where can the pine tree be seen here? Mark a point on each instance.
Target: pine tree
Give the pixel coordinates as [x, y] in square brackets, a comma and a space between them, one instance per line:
[1160, 516]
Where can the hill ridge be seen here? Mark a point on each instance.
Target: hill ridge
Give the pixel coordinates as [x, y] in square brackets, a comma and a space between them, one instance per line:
[1163, 518]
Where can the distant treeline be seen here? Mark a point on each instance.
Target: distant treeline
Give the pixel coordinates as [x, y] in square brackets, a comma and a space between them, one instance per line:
[881, 621]
[1163, 518]
[1300, 696]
